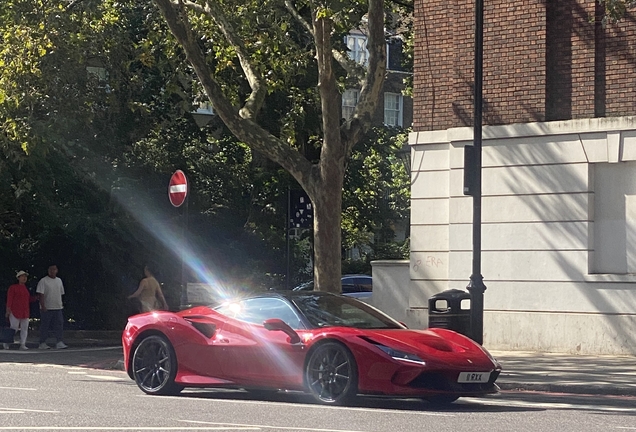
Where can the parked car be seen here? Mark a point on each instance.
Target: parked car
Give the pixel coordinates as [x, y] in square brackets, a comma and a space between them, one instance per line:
[331, 346]
[353, 285]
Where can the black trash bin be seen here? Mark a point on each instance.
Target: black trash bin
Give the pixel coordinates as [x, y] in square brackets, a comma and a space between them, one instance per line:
[450, 309]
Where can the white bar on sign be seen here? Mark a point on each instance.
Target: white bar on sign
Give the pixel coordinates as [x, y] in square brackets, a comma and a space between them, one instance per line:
[178, 188]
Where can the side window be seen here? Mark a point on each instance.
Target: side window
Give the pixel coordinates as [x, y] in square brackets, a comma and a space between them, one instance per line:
[257, 310]
[349, 288]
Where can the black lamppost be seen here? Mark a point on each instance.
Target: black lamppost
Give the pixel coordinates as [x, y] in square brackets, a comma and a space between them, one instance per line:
[476, 286]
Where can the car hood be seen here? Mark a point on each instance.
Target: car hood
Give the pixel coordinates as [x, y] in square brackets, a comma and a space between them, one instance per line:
[433, 344]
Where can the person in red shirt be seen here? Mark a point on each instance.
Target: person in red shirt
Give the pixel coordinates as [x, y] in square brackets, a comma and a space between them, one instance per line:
[18, 299]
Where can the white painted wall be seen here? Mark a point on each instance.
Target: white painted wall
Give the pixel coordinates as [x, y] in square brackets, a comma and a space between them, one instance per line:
[558, 233]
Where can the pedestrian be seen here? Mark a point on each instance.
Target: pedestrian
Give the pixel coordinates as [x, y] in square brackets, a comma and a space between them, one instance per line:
[18, 311]
[149, 293]
[50, 291]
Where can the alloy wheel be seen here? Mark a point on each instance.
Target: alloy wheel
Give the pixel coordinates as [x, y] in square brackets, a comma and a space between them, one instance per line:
[154, 366]
[331, 373]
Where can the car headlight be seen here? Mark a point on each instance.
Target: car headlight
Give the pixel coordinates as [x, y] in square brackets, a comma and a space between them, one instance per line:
[492, 359]
[401, 355]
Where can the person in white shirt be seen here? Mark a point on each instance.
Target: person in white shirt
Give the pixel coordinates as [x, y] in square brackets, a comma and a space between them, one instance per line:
[50, 291]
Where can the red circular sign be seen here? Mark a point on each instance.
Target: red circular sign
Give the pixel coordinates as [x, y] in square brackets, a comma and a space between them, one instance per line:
[178, 188]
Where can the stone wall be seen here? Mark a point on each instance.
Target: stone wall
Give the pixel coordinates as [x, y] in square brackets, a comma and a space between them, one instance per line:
[549, 286]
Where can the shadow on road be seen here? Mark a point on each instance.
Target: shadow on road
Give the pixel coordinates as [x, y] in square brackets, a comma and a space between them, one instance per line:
[396, 404]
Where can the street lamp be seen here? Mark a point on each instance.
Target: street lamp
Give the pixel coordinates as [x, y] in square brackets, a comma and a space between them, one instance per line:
[476, 286]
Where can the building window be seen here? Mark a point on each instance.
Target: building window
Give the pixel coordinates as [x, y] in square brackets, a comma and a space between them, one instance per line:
[349, 102]
[205, 107]
[392, 109]
[99, 73]
[614, 218]
[357, 45]
[394, 55]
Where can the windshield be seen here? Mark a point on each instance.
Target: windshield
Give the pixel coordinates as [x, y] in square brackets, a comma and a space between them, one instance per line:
[337, 311]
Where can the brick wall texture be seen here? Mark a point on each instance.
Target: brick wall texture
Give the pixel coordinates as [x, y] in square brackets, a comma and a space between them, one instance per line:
[543, 60]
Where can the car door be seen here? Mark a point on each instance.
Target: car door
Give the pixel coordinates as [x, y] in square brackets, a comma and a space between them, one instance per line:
[253, 355]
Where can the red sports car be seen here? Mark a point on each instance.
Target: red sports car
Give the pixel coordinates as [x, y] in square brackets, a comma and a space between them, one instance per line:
[332, 346]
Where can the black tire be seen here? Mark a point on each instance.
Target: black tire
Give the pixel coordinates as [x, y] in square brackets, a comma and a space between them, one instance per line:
[441, 400]
[154, 366]
[331, 374]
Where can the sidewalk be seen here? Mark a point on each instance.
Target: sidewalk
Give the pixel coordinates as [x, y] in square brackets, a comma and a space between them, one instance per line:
[565, 373]
[522, 370]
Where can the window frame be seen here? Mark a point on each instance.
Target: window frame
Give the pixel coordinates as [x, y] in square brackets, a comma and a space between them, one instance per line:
[399, 112]
[347, 111]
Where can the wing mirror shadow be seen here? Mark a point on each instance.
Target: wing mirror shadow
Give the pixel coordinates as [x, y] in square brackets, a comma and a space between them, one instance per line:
[275, 324]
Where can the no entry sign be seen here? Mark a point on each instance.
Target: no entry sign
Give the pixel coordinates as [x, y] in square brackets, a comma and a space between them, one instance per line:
[178, 188]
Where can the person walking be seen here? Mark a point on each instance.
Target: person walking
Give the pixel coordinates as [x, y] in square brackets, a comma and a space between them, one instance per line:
[50, 291]
[18, 299]
[149, 293]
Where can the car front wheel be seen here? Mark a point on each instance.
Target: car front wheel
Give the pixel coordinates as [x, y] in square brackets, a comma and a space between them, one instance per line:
[155, 366]
[331, 374]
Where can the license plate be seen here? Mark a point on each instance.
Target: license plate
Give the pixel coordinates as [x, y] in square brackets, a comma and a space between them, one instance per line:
[473, 377]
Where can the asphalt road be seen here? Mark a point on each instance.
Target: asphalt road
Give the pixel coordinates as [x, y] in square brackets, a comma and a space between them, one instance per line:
[63, 390]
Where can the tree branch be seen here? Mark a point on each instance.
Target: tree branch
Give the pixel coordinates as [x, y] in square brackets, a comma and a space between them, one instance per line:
[299, 17]
[351, 67]
[243, 128]
[374, 80]
[259, 89]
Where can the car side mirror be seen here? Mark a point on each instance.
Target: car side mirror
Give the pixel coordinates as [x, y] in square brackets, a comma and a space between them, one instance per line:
[276, 324]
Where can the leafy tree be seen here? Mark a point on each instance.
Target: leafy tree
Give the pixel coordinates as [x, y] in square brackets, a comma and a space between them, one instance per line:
[272, 43]
[376, 195]
[616, 9]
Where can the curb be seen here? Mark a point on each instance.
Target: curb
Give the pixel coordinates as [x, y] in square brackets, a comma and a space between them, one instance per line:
[580, 389]
[86, 334]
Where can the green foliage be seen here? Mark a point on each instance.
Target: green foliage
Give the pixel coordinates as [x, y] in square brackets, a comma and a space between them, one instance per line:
[376, 195]
[95, 103]
[350, 266]
[616, 10]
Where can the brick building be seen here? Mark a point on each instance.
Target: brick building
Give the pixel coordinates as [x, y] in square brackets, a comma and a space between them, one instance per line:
[559, 173]
[543, 61]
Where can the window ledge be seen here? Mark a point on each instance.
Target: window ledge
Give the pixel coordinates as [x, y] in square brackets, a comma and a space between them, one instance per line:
[609, 277]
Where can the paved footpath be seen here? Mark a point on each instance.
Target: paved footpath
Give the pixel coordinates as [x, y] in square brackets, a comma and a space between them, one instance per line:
[522, 370]
[565, 373]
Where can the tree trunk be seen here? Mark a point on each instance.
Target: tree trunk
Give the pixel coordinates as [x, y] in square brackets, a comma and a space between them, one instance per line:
[327, 231]
[327, 195]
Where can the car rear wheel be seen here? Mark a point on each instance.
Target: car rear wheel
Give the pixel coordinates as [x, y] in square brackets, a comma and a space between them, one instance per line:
[331, 374]
[155, 366]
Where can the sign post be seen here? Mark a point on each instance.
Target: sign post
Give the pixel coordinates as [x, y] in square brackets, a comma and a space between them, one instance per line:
[177, 193]
[300, 215]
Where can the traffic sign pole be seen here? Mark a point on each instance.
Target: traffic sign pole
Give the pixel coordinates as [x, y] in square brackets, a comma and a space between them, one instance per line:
[178, 195]
[184, 236]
